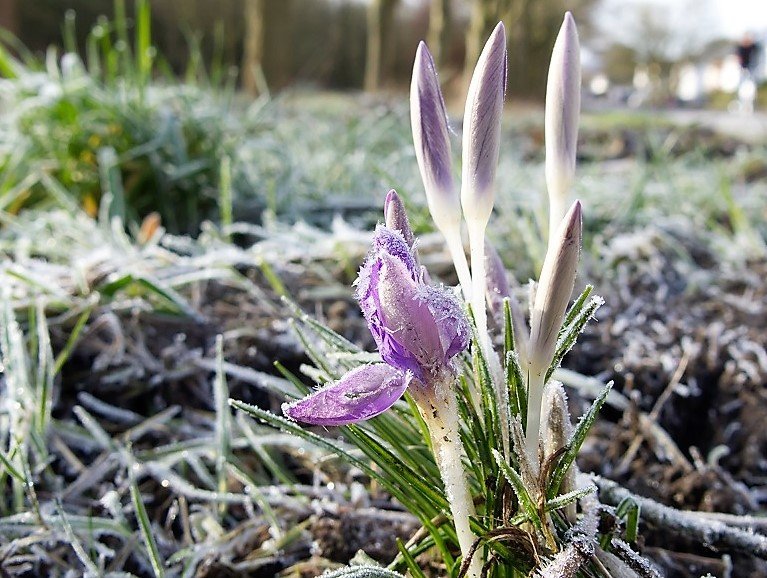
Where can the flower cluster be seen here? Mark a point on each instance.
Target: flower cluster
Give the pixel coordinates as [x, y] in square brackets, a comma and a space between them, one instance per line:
[420, 328]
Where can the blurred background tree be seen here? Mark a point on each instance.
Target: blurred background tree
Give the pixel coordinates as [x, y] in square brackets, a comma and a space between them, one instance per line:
[338, 44]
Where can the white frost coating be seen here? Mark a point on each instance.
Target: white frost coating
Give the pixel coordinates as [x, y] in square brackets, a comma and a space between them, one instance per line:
[557, 432]
[564, 565]
[615, 565]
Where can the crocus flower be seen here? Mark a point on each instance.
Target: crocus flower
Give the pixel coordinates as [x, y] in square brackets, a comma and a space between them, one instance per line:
[418, 330]
[431, 138]
[563, 103]
[555, 288]
[481, 146]
[482, 128]
[549, 306]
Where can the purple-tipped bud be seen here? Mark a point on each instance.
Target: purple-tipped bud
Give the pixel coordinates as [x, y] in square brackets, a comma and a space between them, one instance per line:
[496, 278]
[482, 128]
[395, 217]
[417, 327]
[554, 289]
[362, 393]
[563, 104]
[431, 137]
[498, 289]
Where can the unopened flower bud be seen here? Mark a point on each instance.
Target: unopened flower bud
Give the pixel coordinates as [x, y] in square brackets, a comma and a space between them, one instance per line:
[431, 137]
[554, 290]
[498, 290]
[563, 104]
[395, 217]
[482, 128]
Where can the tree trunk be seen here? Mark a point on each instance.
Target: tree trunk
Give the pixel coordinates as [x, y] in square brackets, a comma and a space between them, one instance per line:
[439, 30]
[9, 16]
[253, 54]
[380, 24]
[484, 17]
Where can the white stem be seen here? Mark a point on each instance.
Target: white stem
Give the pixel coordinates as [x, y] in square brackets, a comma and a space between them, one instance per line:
[479, 308]
[444, 428]
[534, 403]
[478, 283]
[556, 213]
[455, 246]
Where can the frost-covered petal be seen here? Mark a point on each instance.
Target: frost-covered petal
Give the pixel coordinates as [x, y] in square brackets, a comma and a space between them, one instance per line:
[391, 242]
[451, 322]
[362, 393]
[411, 332]
[416, 327]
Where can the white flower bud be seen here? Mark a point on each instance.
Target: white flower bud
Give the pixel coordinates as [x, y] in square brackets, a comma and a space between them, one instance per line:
[563, 103]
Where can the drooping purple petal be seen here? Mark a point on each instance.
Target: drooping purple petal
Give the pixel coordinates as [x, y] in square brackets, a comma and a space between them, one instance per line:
[362, 393]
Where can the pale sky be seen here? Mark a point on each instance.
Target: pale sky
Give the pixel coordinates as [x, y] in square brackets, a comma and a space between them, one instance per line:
[722, 18]
[740, 16]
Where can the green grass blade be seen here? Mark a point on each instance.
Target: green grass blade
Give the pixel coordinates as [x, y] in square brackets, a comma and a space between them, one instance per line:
[629, 510]
[569, 498]
[570, 333]
[82, 555]
[525, 500]
[74, 335]
[145, 527]
[223, 427]
[409, 561]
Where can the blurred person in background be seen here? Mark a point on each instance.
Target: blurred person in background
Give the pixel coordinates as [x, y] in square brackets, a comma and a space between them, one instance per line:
[748, 54]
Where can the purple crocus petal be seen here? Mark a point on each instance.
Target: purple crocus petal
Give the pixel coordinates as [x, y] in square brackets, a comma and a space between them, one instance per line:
[496, 276]
[417, 328]
[396, 217]
[391, 242]
[362, 393]
[410, 328]
[369, 295]
[451, 322]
